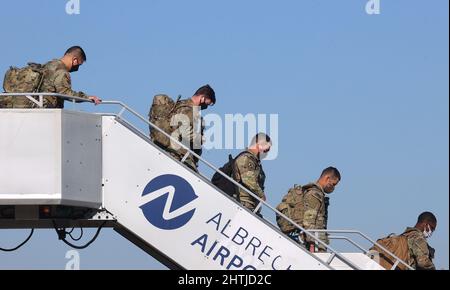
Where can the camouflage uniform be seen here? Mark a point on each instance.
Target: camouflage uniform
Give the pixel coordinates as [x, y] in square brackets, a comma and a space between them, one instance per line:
[4, 101]
[419, 251]
[249, 172]
[315, 213]
[189, 134]
[56, 80]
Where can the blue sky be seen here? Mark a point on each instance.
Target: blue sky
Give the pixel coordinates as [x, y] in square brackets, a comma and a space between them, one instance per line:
[367, 94]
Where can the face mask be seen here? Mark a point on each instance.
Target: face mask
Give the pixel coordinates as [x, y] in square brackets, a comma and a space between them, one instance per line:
[328, 190]
[428, 232]
[330, 187]
[263, 155]
[204, 107]
[74, 68]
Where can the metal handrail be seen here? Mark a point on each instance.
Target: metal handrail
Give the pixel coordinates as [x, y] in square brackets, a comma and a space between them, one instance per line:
[42, 95]
[350, 241]
[124, 106]
[366, 238]
[261, 201]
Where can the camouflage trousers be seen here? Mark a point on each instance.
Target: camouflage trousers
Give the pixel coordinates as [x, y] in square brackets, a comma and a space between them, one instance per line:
[190, 162]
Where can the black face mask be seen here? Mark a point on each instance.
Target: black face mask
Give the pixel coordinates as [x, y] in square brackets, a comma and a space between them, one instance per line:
[204, 107]
[74, 68]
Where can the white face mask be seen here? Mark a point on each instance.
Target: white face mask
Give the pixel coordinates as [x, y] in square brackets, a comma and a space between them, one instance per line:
[428, 233]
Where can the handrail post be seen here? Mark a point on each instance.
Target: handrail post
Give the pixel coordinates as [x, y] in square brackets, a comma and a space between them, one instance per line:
[316, 244]
[333, 255]
[395, 264]
[258, 207]
[121, 112]
[185, 157]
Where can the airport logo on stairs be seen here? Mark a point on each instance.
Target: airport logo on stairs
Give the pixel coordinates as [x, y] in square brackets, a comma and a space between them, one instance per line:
[168, 202]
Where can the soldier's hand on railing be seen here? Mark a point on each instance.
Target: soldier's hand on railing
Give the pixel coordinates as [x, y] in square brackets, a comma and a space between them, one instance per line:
[95, 99]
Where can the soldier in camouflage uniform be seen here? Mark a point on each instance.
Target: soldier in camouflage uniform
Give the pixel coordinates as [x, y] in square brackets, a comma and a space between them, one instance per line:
[190, 126]
[249, 172]
[56, 79]
[421, 254]
[316, 207]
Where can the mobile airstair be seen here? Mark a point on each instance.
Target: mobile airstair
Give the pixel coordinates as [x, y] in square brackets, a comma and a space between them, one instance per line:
[65, 168]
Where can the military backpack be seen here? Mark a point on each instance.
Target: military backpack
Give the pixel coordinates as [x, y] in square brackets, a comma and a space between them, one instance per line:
[160, 115]
[223, 183]
[293, 207]
[23, 80]
[397, 245]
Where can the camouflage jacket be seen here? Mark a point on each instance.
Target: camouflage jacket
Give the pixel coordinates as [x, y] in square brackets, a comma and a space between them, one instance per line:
[316, 210]
[249, 172]
[57, 80]
[419, 251]
[189, 126]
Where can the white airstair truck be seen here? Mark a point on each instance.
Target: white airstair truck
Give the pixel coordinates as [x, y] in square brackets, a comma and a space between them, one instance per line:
[61, 169]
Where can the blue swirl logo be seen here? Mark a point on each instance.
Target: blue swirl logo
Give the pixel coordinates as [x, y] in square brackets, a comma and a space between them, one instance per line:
[168, 202]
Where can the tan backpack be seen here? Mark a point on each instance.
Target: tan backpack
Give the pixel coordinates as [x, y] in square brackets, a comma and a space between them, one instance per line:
[22, 80]
[397, 245]
[293, 207]
[161, 113]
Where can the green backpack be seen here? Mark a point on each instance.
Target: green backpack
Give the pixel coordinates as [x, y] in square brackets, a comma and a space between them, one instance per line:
[293, 207]
[22, 80]
[160, 114]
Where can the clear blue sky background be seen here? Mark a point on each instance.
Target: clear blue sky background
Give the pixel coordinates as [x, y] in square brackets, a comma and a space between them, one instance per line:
[368, 94]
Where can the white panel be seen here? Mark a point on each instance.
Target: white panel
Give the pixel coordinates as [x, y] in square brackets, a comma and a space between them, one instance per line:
[50, 157]
[130, 163]
[30, 156]
[82, 159]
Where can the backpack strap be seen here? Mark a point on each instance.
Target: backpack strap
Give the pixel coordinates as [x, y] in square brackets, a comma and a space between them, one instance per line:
[41, 82]
[241, 154]
[179, 104]
[177, 101]
[39, 68]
